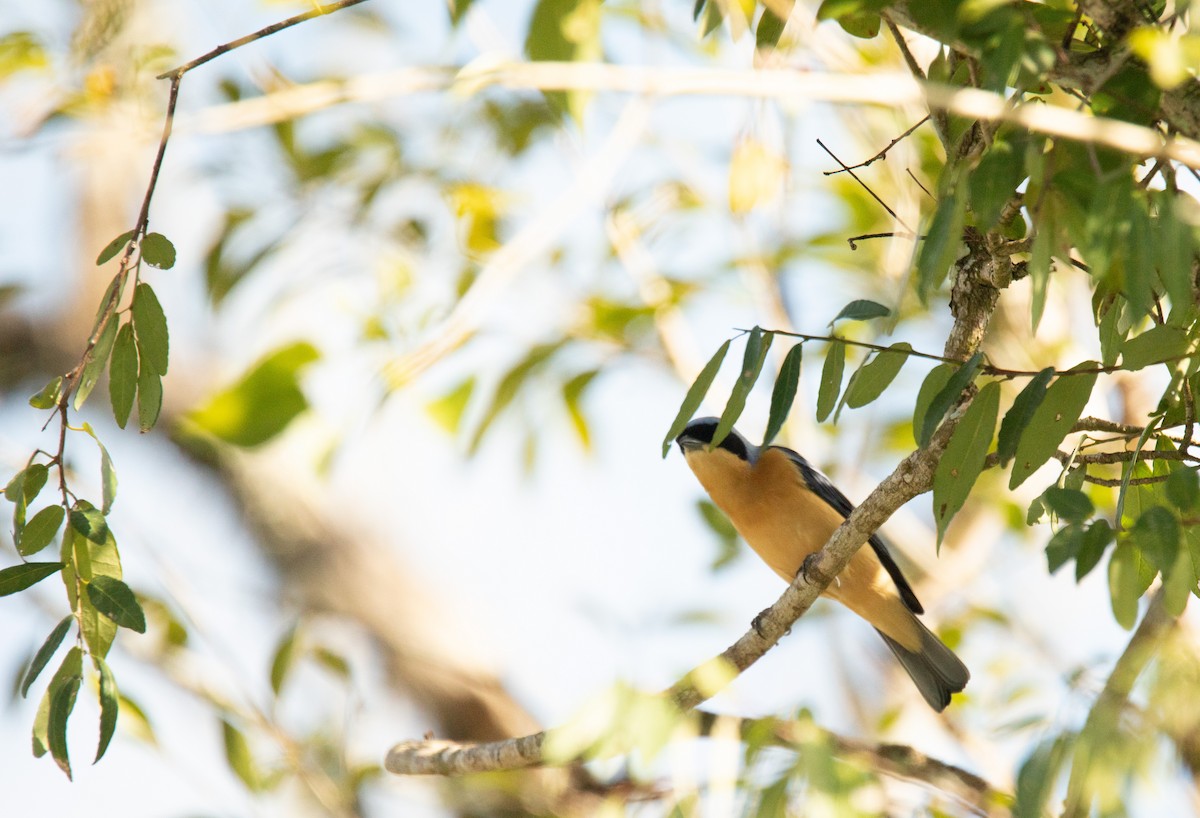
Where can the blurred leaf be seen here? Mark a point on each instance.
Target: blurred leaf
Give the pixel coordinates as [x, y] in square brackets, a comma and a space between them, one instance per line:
[19, 577]
[727, 536]
[1174, 246]
[157, 251]
[784, 393]
[45, 653]
[1178, 584]
[831, 379]
[458, 10]
[510, 384]
[115, 246]
[97, 359]
[262, 403]
[1156, 534]
[770, 28]
[572, 393]
[694, 397]
[862, 310]
[114, 599]
[110, 706]
[758, 344]
[283, 660]
[994, 181]
[874, 376]
[1126, 582]
[335, 663]
[135, 722]
[858, 18]
[1162, 343]
[1039, 772]
[756, 176]
[150, 325]
[565, 31]
[1096, 538]
[40, 530]
[1017, 418]
[1112, 335]
[240, 759]
[947, 397]
[479, 209]
[1052, 420]
[963, 459]
[1183, 489]
[1064, 546]
[448, 410]
[1071, 505]
[122, 374]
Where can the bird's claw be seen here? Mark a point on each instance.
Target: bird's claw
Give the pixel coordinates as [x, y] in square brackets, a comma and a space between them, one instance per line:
[808, 568]
[757, 624]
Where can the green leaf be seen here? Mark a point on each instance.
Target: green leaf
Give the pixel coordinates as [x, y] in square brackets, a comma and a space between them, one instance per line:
[448, 410]
[50, 395]
[994, 181]
[1017, 418]
[1063, 546]
[89, 521]
[572, 392]
[784, 393]
[115, 246]
[1112, 335]
[509, 385]
[930, 387]
[108, 473]
[831, 379]
[1162, 343]
[1070, 505]
[941, 246]
[1183, 489]
[1156, 534]
[19, 577]
[726, 534]
[964, 456]
[122, 374]
[157, 251]
[1178, 584]
[1126, 583]
[757, 345]
[1039, 773]
[114, 599]
[1174, 247]
[88, 560]
[567, 31]
[45, 652]
[40, 530]
[283, 660]
[97, 359]
[770, 27]
[694, 397]
[1045, 245]
[149, 399]
[150, 326]
[239, 758]
[71, 668]
[333, 662]
[862, 310]
[1052, 421]
[262, 403]
[56, 729]
[876, 375]
[110, 706]
[1096, 539]
[946, 397]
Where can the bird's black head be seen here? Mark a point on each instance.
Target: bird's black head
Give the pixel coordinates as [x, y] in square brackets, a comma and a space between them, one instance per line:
[699, 433]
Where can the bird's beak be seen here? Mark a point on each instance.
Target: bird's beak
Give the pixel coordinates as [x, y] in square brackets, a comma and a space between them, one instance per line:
[688, 444]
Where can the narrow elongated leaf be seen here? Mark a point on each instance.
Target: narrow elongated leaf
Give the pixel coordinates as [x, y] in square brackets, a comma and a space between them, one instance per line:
[157, 251]
[1112, 335]
[40, 530]
[862, 310]
[930, 388]
[60, 710]
[71, 668]
[19, 577]
[239, 757]
[1039, 772]
[448, 410]
[946, 397]
[1173, 247]
[115, 246]
[876, 375]
[1162, 343]
[110, 706]
[97, 360]
[1020, 413]
[122, 374]
[283, 660]
[758, 344]
[941, 245]
[114, 599]
[1126, 584]
[1178, 584]
[149, 399]
[1051, 421]
[572, 393]
[150, 326]
[694, 397]
[784, 393]
[770, 27]
[964, 456]
[831, 379]
[44, 653]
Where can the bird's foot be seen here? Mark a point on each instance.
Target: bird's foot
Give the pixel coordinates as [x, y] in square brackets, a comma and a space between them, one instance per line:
[811, 572]
[757, 624]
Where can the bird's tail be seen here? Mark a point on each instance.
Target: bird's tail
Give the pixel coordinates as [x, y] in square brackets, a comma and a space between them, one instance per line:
[935, 670]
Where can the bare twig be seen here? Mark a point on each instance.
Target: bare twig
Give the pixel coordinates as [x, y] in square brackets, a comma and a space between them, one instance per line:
[853, 240]
[883, 153]
[865, 187]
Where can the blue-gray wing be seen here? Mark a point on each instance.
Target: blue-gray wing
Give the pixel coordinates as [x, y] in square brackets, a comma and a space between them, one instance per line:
[819, 485]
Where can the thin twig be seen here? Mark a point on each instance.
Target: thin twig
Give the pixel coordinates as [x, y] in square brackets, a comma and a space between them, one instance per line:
[318, 11]
[924, 189]
[883, 153]
[854, 239]
[865, 187]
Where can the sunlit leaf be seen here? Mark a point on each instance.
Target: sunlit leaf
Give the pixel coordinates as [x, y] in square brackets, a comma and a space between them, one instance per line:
[283, 659]
[110, 706]
[49, 395]
[114, 599]
[876, 375]
[1162, 343]
[963, 459]
[1052, 420]
[150, 326]
[448, 410]
[45, 653]
[40, 530]
[19, 577]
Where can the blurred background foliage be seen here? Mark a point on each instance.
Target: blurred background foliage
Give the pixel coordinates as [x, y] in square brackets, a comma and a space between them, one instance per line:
[374, 233]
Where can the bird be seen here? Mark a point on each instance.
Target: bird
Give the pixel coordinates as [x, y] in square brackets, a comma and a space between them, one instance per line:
[786, 510]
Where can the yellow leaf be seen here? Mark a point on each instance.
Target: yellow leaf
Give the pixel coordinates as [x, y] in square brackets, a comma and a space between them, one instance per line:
[756, 175]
